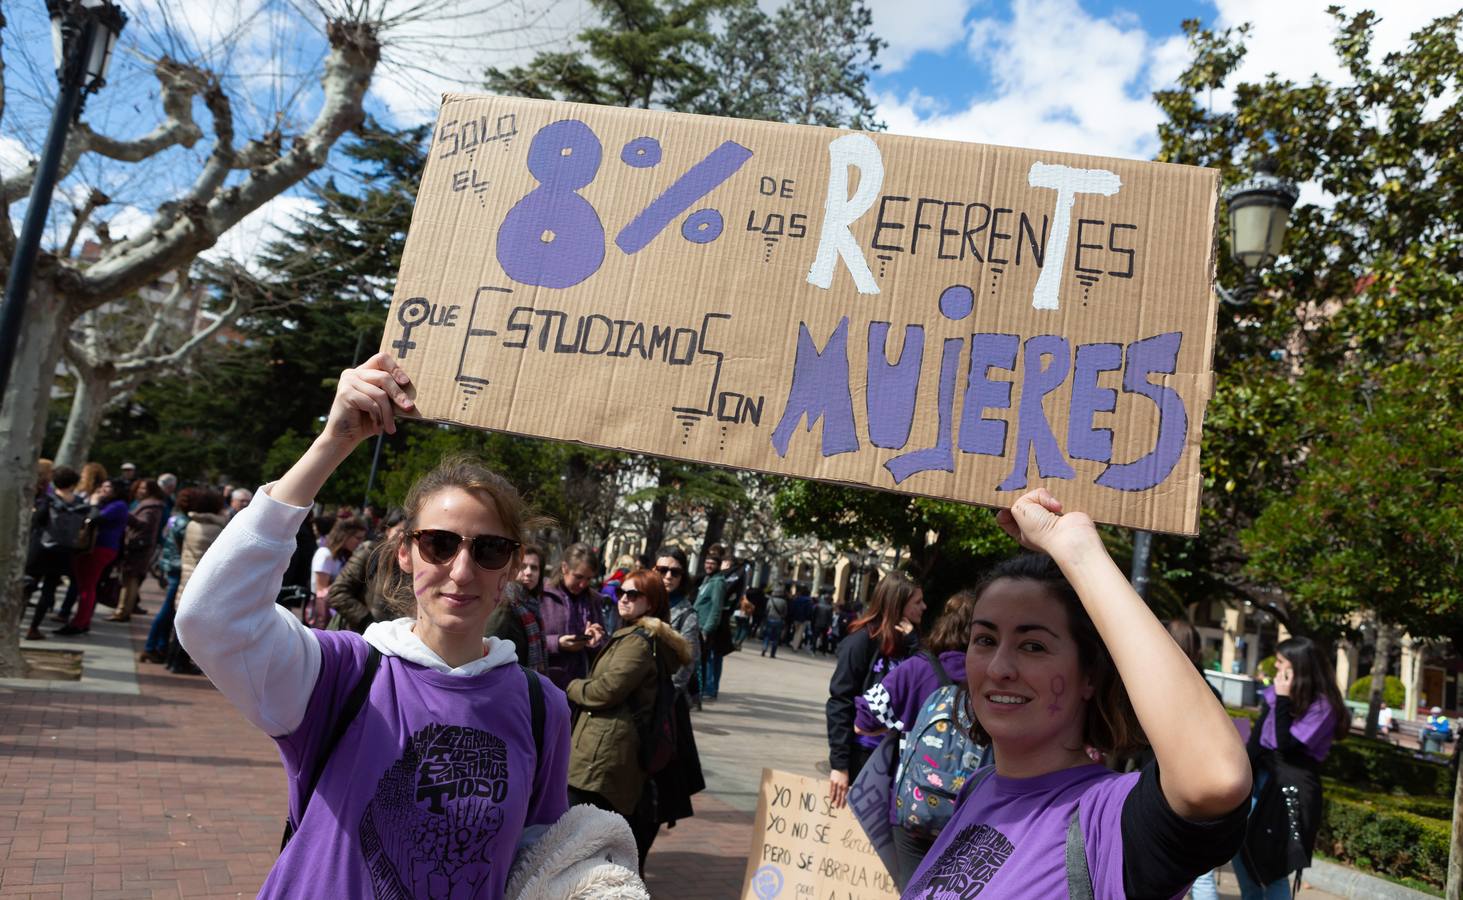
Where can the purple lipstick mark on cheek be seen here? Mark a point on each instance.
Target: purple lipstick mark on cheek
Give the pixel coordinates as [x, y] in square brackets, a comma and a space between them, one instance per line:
[1059, 686]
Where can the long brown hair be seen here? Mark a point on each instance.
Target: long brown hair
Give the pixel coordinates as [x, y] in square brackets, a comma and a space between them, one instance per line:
[1109, 723]
[886, 608]
[574, 556]
[465, 473]
[343, 530]
[1314, 681]
[952, 629]
[92, 476]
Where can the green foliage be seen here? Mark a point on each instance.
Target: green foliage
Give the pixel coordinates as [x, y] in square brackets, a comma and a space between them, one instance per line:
[1359, 761]
[1266, 667]
[1375, 832]
[1325, 427]
[1394, 692]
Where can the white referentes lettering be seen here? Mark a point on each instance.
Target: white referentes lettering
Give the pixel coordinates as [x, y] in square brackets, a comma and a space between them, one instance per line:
[840, 211]
[1068, 183]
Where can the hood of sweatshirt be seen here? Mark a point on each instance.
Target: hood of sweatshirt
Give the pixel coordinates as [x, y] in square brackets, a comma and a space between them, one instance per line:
[397, 638]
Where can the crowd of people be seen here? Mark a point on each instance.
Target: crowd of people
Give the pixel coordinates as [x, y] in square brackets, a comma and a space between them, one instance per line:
[459, 713]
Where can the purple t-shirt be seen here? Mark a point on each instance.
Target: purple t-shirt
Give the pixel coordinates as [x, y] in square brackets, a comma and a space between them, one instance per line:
[1008, 837]
[111, 522]
[430, 788]
[1315, 729]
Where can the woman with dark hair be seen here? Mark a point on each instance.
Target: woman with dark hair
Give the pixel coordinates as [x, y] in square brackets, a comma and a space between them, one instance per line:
[671, 566]
[1066, 662]
[573, 623]
[455, 752]
[110, 505]
[606, 766]
[1301, 713]
[518, 618]
[144, 523]
[877, 642]
[355, 595]
[895, 703]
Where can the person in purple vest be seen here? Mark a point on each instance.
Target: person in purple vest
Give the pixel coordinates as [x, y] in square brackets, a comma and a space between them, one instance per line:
[1066, 664]
[895, 703]
[1301, 714]
[430, 788]
[573, 621]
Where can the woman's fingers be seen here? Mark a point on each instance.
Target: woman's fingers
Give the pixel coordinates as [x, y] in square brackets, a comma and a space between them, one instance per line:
[389, 384]
[389, 370]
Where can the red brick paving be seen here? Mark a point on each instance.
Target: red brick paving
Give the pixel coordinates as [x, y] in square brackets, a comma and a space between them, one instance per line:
[172, 794]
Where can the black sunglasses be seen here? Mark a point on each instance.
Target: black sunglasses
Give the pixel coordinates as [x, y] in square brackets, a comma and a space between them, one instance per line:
[631, 594]
[439, 547]
[670, 570]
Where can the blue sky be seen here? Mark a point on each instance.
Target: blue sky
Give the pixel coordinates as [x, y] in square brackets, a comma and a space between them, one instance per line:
[1069, 75]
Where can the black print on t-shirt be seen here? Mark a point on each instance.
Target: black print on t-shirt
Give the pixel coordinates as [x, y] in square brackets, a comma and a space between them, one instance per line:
[428, 830]
[966, 867]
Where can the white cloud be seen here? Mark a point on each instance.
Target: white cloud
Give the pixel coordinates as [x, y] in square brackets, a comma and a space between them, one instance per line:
[1066, 80]
[915, 27]
[245, 241]
[1062, 80]
[14, 156]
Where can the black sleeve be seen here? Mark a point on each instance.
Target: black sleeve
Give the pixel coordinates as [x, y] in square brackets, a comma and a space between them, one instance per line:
[1162, 851]
[855, 655]
[1252, 747]
[1284, 742]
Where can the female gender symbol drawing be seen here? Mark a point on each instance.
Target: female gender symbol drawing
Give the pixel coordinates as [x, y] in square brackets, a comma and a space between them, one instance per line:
[410, 314]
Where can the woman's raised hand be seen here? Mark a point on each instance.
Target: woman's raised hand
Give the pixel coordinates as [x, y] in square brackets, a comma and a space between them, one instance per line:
[1037, 522]
[367, 400]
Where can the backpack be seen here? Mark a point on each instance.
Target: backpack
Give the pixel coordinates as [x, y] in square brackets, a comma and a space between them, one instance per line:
[67, 528]
[937, 759]
[357, 698]
[658, 735]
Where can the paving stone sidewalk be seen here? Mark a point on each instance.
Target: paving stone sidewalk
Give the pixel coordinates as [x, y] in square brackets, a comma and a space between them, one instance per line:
[141, 783]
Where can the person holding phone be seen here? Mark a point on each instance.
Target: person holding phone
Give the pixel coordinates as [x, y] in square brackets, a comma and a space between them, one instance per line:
[573, 622]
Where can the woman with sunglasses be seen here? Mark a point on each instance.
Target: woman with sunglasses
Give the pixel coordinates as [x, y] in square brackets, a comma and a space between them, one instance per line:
[429, 788]
[618, 697]
[670, 565]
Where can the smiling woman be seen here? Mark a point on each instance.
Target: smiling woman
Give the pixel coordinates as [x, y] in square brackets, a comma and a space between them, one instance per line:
[1066, 665]
[426, 785]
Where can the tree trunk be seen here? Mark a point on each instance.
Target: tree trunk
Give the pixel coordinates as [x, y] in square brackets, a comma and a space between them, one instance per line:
[93, 392]
[22, 428]
[655, 529]
[1379, 678]
[1455, 852]
[715, 524]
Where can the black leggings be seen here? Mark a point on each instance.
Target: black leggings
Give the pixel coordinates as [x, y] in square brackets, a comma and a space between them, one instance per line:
[909, 852]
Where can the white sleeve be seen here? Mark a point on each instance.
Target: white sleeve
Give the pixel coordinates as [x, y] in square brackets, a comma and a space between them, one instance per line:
[320, 562]
[256, 653]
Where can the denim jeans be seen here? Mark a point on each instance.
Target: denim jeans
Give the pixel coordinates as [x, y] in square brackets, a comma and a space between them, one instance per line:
[771, 634]
[710, 668]
[162, 623]
[1205, 887]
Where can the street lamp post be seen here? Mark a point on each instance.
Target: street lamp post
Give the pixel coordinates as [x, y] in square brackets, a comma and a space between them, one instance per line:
[83, 33]
[1259, 208]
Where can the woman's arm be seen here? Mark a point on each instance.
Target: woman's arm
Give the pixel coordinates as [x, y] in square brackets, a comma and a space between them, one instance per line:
[1203, 767]
[258, 655]
[615, 680]
[855, 655]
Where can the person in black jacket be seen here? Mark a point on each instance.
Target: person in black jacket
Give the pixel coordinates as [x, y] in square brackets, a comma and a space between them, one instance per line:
[877, 642]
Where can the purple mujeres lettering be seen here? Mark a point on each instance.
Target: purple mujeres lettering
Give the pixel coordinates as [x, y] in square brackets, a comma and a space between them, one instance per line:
[1033, 431]
[820, 391]
[1157, 355]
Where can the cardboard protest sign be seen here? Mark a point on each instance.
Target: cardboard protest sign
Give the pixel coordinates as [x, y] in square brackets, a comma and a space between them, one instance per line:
[932, 317]
[801, 847]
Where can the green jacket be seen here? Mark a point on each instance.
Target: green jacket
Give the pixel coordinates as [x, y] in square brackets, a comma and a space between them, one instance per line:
[616, 698]
[710, 602]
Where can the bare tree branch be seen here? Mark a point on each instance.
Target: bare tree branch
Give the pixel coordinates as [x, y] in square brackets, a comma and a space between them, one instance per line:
[354, 53]
[180, 83]
[94, 201]
[146, 365]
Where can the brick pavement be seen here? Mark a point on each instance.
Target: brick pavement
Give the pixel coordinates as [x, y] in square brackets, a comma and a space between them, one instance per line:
[169, 793]
[172, 794]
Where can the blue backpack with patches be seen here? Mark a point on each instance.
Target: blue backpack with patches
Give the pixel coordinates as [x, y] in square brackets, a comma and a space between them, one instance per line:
[937, 758]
